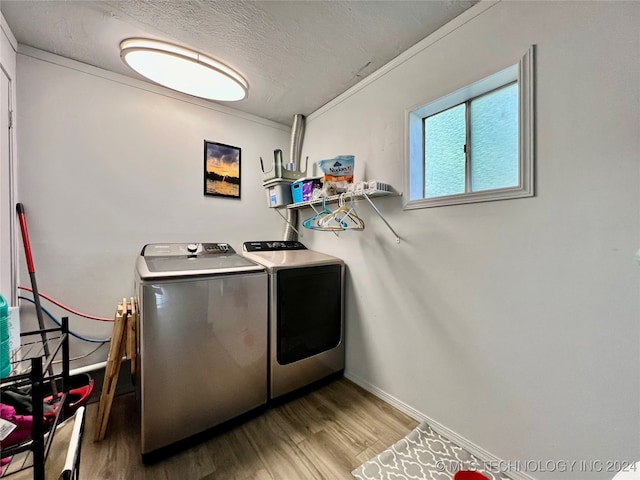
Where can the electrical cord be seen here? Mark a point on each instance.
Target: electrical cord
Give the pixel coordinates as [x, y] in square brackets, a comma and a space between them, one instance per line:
[57, 322]
[55, 362]
[90, 317]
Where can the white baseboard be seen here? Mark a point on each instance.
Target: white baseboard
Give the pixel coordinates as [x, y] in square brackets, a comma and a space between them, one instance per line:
[88, 368]
[475, 450]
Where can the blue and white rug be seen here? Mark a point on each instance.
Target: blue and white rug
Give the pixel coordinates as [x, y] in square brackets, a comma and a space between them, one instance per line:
[423, 454]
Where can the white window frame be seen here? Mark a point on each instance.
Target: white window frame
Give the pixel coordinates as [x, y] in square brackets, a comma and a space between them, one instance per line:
[523, 73]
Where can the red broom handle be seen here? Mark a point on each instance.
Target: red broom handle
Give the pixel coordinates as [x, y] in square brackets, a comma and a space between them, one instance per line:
[25, 237]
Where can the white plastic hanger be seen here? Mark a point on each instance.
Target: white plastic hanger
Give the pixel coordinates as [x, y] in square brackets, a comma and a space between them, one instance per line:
[342, 218]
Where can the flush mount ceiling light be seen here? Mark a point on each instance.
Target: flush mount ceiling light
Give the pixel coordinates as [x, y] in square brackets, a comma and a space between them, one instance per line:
[183, 70]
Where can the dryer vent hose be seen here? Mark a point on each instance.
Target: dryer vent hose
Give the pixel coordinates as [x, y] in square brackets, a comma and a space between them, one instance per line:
[292, 219]
[297, 136]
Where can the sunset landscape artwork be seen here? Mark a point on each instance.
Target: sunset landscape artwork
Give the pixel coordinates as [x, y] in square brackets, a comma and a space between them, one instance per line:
[221, 170]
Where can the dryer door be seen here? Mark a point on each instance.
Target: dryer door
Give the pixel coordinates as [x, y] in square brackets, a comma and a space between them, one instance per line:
[309, 312]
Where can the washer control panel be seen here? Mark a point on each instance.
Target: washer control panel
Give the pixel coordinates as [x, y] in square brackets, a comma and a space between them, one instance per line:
[188, 249]
[272, 246]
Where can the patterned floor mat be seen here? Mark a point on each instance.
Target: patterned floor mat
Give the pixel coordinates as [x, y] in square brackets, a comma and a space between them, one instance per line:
[423, 454]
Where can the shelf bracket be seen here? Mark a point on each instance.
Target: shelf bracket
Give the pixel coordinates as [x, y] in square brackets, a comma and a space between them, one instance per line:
[381, 216]
[290, 224]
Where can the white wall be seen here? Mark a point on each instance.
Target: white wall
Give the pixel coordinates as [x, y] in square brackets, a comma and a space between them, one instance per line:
[108, 164]
[513, 323]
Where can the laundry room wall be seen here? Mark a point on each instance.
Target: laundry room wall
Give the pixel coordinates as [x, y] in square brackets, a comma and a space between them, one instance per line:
[513, 324]
[108, 164]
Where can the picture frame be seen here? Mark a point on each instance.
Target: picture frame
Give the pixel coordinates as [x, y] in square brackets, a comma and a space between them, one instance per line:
[222, 168]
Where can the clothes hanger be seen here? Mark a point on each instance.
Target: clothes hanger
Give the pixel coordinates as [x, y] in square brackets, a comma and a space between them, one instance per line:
[312, 222]
[358, 223]
[330, 222]
[342, 218]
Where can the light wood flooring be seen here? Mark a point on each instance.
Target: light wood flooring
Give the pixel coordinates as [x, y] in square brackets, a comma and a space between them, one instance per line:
[324, 434]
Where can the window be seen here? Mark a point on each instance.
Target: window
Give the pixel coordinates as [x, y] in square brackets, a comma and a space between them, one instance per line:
[475, 144]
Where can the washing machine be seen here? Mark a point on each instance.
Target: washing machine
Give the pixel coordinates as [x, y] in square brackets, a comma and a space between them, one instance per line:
[202, 340]
[306, 313]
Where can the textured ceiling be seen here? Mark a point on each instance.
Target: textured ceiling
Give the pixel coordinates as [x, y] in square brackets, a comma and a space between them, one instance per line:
[296, 55]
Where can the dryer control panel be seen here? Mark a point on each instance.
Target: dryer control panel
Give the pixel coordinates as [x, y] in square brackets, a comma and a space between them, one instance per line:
[272, 246]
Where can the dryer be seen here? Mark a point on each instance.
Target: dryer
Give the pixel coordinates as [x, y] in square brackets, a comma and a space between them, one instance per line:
[306, 313]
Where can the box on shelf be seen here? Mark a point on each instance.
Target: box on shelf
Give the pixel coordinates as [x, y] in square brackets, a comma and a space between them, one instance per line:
[278, 192]
[302, 190]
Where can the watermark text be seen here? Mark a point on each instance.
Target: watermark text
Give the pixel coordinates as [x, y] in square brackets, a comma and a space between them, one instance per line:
[538, 466]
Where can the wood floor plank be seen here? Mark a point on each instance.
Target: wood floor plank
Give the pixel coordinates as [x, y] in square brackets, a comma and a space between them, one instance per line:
[355, 407]
[354, 419]
[261, 475]
[323, 435]
[278, 452]
[370, 452]
[326, 450]
[303, 418]
[234, 456]
[294, 425]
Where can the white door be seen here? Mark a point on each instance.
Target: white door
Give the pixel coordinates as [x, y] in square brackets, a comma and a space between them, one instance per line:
[7, 211]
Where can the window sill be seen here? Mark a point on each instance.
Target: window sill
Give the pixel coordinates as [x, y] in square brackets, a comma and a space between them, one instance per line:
[475, 197]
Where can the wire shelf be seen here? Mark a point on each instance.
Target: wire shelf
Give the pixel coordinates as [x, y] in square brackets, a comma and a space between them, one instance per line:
[371, 193]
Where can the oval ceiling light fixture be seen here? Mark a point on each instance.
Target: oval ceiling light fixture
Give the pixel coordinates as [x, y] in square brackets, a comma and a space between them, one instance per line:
[184, 70]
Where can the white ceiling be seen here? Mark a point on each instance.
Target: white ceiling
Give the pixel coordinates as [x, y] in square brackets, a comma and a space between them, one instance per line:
[296, 55]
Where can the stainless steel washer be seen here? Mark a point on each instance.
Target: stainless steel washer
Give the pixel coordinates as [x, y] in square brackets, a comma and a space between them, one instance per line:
[306, 313]
[202, 339]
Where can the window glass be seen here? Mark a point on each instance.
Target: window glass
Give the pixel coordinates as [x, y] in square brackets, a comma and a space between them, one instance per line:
[444, 136]
[494, 139]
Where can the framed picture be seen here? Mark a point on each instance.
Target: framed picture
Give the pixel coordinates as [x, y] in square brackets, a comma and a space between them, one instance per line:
[221, 170]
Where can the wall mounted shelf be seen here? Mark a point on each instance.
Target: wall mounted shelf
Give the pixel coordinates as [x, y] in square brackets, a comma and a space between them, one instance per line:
[364, 194]
[335, 198]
